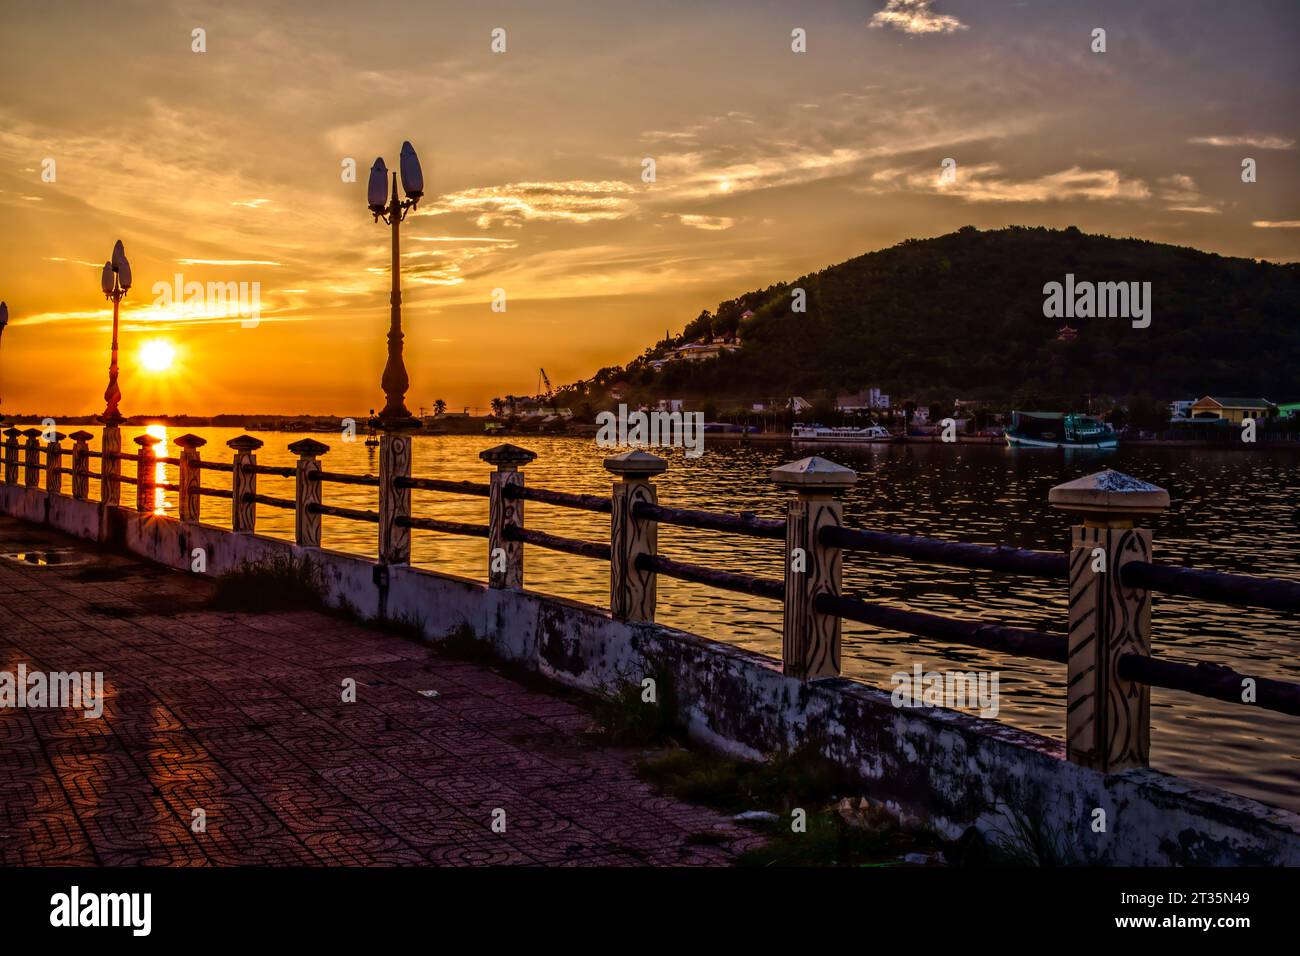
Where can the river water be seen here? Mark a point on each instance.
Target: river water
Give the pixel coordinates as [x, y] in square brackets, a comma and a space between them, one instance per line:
[1232, 510]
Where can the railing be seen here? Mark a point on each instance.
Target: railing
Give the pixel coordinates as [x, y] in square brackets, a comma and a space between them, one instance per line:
[1107, 569]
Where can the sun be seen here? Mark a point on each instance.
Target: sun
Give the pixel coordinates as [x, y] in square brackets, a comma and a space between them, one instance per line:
[157, 355]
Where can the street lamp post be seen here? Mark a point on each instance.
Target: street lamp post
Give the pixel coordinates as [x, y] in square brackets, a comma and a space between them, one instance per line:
[115, 281]
[392, 209]
[395, 420]
[4, 320]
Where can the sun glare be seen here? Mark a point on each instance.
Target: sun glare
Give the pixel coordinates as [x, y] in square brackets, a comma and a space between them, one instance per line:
[157, 355]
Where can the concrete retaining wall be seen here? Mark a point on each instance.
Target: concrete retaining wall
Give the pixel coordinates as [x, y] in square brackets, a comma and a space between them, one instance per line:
[943, 767]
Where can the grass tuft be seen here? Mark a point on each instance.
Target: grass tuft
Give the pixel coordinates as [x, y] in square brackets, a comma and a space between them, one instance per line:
[281, 582]
[409, 626]
[834, 834]
[800, 779]
[462, 643]
[626, 714]
[1029, 839]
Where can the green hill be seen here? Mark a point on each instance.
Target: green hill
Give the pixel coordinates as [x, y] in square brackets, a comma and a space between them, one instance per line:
[961, 315]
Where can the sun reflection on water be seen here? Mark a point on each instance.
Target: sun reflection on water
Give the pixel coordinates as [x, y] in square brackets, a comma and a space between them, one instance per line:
[160, 469]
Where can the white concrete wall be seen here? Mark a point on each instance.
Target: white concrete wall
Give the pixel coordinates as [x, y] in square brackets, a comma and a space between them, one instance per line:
[946, 768]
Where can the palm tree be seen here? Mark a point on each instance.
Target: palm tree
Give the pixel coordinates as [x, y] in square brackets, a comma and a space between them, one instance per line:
[439, 407]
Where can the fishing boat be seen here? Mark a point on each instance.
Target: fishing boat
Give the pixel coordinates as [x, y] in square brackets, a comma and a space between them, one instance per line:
[871, 435]
[1059, 430]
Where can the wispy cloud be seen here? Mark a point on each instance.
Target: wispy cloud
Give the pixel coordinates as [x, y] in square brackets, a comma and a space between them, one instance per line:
[513, 204]
[915, 16]
[460, 239]
[988, 182]
[1181, 190]
[227, 262]
[1258, 141]
[1276, 223]
[79, 262]
[706, 222]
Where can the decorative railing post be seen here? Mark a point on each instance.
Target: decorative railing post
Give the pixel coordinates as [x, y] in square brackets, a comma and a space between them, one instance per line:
[810, 643]
[190, 478]
[32, 461]
[394, 500]
[306, 523]
[243, 510]
[632, 589]
[505, 555]
[81, 464]
[145, 474]
[11, 455]
[1108, 719]
[54, 464]
[110, 489]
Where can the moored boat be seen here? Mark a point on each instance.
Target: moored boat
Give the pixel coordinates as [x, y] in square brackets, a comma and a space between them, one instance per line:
[870, 435]
[1059, 430]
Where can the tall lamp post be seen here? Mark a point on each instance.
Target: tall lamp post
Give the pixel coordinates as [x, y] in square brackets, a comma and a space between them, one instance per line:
[4, 320]
[395, 420]
[115, 281]
[392, 209]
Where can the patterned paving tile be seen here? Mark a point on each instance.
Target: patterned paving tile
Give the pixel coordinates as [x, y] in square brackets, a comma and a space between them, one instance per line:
[225, 741]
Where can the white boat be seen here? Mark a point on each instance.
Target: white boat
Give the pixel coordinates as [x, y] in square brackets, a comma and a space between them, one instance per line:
[871, 435]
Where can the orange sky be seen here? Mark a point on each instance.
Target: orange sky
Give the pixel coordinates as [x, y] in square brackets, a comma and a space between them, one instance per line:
[225, 166]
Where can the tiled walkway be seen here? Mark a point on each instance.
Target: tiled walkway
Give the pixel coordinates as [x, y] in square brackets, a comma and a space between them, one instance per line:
[241, 717]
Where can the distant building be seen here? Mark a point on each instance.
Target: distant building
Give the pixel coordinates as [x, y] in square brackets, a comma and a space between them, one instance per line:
[670, 405]
[701, 351]
[866, 400]
[1181, 410]
[797, 404]
[1289, 410]
[1231, 409]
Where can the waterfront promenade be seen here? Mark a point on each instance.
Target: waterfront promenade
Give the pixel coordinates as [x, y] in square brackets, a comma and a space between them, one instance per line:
[241, 717]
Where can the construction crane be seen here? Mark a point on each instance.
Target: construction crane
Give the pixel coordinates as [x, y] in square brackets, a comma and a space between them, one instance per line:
[543, 378]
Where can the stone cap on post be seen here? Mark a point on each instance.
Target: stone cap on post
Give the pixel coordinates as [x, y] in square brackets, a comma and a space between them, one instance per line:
[507, 457]
[147, 441]
[12, 432]
[635, 464]
[308, 448]
[814, 476]
[1109, 498]
[30, 432]
[190, 441]
[81, 436]
[245, 444]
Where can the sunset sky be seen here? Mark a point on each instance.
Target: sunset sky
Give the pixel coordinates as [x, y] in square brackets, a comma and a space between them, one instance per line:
[226, 166]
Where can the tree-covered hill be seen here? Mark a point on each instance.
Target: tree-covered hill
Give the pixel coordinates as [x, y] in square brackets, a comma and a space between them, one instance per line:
[961, 315]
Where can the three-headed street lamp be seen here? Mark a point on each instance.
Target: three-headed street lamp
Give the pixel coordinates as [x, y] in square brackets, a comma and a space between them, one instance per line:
[115, 282]
[392, 209]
